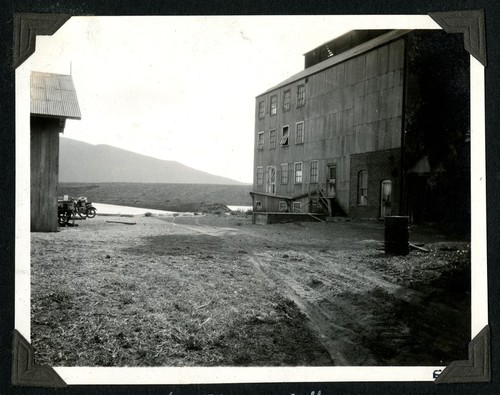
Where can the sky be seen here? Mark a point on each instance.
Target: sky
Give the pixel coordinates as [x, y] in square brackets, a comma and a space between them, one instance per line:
[183, 88]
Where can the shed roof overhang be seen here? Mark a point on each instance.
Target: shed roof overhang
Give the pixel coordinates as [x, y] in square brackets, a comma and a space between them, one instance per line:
[53, 96]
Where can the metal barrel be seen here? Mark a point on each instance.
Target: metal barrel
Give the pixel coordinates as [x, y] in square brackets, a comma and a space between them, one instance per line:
[396, 235]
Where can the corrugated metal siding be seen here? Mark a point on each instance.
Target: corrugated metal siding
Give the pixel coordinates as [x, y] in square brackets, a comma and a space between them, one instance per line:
[54, 95]
[351, 108]
[378, 41]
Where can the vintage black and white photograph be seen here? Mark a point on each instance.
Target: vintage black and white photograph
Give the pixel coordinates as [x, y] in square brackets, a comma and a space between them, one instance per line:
[248, 191]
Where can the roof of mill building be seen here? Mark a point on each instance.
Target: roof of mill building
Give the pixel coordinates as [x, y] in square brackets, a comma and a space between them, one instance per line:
[53, 95]
[334, 59]
[340, 44]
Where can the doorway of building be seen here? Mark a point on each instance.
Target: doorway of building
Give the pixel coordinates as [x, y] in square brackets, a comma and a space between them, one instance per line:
[331, 188]
[271, 180]
[385, 198]
[331, 180]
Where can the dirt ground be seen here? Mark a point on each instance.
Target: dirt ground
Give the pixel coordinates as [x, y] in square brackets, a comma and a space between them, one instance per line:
[215, 290]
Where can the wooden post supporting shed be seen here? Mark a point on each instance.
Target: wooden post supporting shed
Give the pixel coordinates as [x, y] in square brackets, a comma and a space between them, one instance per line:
[53, 100]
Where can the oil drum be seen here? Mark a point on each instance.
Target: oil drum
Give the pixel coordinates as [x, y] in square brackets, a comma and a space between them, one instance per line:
[396, 235]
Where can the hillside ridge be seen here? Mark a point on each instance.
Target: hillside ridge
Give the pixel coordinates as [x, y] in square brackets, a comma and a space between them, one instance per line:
[84, 162]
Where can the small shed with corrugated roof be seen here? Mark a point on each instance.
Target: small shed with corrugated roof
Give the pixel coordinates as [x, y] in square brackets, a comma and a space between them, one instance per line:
[53, 101]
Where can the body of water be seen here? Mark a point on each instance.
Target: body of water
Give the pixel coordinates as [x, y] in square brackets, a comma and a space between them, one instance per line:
[239, 208]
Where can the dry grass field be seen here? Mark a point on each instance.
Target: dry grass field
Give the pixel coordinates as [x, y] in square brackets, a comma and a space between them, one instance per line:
[215, 290]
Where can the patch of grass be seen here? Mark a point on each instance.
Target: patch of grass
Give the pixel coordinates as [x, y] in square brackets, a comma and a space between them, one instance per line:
[164, 303]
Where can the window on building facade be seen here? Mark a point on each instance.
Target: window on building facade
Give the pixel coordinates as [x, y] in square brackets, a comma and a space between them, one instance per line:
[284, 173]
[262, 109]
[260, 175]
[332, 172]
[287, 99]
[298, 172]
[313, 171]
[260, 140]
[271, 180]
[363, 187]
[301, 95]
[258, 205]
[296, 207]
[274, 105]
[299, 133]
[272, 139]
[283, 206]
[284, 135]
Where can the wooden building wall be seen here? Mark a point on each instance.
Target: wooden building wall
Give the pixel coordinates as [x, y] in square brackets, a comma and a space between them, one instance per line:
[353, 107]
[44, 173]
[267, 203]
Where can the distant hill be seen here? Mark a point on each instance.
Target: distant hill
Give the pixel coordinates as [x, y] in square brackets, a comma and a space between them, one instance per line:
[82, 162]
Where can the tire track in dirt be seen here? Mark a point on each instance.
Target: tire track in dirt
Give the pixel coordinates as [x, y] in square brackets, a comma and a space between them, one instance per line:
[331, 315]
[373, 280]
[321, 317]
[338, 318]
[324, 286]
[318, 322]
[325, 319]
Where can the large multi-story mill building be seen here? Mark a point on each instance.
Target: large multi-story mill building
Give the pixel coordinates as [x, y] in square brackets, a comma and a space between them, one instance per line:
[350, 135]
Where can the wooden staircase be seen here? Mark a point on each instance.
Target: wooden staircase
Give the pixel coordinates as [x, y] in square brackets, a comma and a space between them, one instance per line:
[324, 202]
[317, 196]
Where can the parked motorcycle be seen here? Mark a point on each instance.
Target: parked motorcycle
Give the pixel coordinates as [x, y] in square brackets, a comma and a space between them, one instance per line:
[85, 208]
[65, 210]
